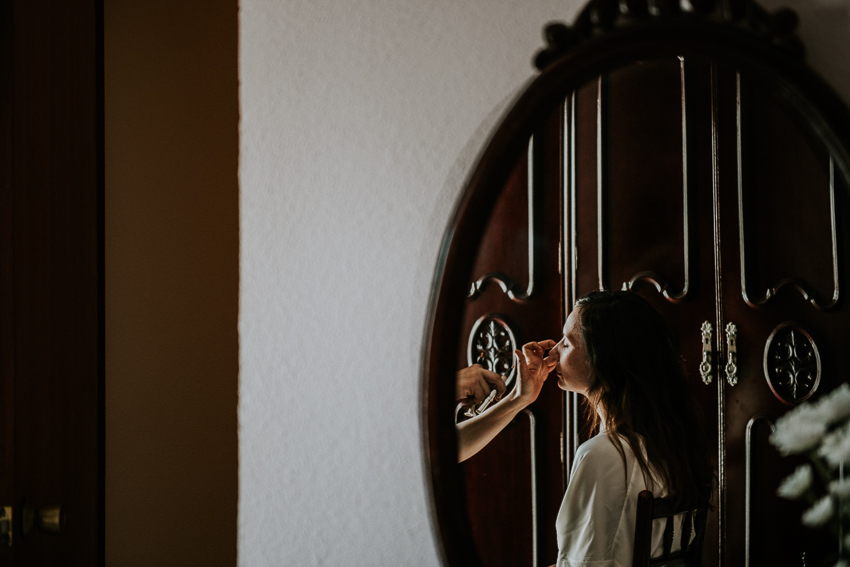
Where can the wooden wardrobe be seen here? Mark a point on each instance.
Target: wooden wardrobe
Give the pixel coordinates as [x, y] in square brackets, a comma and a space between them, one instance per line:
[692, 158]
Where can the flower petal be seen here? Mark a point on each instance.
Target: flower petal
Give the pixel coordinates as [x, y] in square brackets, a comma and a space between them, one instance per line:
[819, 514]
[796, 485]
[840, 488]
[836, 405]
[799, 430]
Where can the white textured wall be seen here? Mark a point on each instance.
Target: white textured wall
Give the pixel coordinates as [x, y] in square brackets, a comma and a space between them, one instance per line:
[353, 115]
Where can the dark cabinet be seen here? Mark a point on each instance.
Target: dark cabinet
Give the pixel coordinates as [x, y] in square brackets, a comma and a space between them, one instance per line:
[681, 179]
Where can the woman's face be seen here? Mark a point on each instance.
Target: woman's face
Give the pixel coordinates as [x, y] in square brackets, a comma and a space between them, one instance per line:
[572, 368]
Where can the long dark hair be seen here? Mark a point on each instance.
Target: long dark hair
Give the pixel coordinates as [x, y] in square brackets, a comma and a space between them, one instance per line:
[637, 378]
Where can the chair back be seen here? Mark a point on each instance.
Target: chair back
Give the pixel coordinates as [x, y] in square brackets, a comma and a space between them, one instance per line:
[690, 551]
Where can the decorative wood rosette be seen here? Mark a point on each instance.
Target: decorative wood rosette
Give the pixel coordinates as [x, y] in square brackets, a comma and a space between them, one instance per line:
[492, 344]
[792, 365]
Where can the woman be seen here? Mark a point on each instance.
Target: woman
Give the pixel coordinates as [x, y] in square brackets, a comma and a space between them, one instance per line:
[620, 354]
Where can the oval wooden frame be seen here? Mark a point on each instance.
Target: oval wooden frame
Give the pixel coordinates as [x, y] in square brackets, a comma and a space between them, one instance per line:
[788, 77]
[766, 361]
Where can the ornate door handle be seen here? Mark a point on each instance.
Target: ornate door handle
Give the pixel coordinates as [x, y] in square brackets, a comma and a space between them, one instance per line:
[731, 354]
[705, 365]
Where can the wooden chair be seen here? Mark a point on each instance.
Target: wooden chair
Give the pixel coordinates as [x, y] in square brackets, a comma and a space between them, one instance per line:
[690, 552]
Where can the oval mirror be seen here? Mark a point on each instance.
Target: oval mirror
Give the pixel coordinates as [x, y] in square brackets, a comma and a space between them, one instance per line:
[683, 151]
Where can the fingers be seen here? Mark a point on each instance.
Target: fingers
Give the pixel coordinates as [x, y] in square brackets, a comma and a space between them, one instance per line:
[501, 388]
[538, 348]
[532, 349]
[470, 385]
[489, 376]
[531, 378]
[496, 381]
[522, 366]
[474, 384]
[473, 392]
[480, 390]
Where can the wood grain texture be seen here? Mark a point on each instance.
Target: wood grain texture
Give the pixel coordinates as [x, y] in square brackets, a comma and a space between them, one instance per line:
[55, 274]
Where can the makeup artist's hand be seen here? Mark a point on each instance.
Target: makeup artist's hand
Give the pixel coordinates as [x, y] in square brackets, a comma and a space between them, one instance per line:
[475, 383]
[534, 368]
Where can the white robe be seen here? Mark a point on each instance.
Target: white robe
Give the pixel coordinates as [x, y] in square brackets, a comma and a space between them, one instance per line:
[596, 522]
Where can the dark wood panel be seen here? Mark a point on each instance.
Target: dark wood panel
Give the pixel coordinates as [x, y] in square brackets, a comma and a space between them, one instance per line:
[642, 213]
[786, 200]
[504, 248]
[7, 368]
[586, 181]
[644, 181]
[644, 207]
[787, 217]
[498, 479]
[498, 487]
[55, 334]
[698, 306]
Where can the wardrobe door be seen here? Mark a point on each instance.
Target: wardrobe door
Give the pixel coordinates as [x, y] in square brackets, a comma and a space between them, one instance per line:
[641, 197]
[51, 283]
[515, 297]
[783, 234]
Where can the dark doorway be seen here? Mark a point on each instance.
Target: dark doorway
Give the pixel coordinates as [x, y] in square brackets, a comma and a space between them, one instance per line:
[51, 280]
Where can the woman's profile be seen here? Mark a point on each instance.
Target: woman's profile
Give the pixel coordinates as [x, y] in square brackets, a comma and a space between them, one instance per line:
[620, 354]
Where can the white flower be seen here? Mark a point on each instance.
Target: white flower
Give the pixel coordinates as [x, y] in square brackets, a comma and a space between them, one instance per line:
[819, 514]
[799, 430]
[836, 446]
[840, 488]
[795, 485]
[836, 405]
